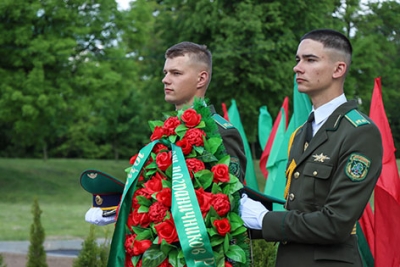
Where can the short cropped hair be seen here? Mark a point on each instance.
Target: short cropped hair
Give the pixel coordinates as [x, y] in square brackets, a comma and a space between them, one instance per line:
[197, 52]
[331, 39]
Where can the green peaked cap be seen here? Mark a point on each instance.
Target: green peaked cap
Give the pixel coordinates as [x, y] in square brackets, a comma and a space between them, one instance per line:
[98, 182]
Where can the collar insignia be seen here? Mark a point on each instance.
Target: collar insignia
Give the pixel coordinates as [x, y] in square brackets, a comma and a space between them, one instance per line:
[320, 158]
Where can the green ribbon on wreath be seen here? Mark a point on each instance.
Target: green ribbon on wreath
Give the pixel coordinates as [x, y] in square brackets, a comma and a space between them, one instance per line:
[186, 213]
[117, 249]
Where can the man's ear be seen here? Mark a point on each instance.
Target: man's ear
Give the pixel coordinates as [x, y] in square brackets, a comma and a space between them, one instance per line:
[202, 79]
[340, 69]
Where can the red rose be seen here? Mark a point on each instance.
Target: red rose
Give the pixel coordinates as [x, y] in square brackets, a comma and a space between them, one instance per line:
[136, 247]
[157, 133]
[167, 231]
[195, 136]
[221, 173]
[185, 145]
[164, 160]
[223, 226]
[138, 219]
[221, 204]
[128, 260]
[194, 165]
[157, 212]
[165, 196]
[228, 264]
[139, 264]
[159, 147]
[170, 125]
[191, 118]
[165, 263]
[140, 246]
[204, 199]
[154, 184]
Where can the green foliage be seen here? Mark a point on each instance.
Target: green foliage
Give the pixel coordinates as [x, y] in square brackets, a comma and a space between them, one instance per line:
[84, 84]
[1, 262]
[264, 253]
[36, 254]
[92, 254]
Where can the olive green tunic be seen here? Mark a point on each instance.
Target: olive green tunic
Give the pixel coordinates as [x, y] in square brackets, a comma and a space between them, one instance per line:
[330, 185]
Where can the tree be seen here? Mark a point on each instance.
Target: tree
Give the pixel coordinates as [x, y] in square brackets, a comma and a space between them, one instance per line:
[36, 254]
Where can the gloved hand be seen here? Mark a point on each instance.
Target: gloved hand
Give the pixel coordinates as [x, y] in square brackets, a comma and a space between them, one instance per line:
[95, 216]
[252, 212]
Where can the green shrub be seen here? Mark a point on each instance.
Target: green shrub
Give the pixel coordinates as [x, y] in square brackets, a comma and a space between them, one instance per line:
[92, 254]
[37, 254]
[264, 253]
[1, 261]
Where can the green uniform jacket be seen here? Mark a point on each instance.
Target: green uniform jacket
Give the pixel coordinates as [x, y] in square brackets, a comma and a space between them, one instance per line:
[331, 183]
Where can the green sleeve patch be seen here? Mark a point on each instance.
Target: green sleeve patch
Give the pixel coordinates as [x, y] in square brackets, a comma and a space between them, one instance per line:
[356, 118]
[234, 167]
[357, 167]
[222, 122]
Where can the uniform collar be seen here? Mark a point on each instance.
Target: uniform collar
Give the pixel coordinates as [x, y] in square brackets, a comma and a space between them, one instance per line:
[323, 112]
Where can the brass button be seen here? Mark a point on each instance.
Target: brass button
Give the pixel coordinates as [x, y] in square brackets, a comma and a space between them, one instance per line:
[315, 173]
[296, 175]
[291, 196]
[284, 242]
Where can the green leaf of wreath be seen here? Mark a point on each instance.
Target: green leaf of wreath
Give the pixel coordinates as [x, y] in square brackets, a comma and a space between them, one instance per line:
[153, 124]
[236, 253]
[153, 257]
[202, 124]
[181, 130]
[144, 201]
[216, 240]
[212, 144]
[205, 178]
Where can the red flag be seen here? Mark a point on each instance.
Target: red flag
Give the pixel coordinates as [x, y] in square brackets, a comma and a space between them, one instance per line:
[387, 190]
[225, 111]
[268, 145]
[367, 225]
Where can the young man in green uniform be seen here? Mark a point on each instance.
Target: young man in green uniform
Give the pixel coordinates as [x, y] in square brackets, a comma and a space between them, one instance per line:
[330, 178]
[187, 74]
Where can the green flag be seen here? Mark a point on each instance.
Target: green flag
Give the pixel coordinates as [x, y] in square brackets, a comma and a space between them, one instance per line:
[264, 126]
[276, 165]
[234, 118]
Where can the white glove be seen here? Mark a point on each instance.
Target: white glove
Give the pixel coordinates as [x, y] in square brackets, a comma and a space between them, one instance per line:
[252, 212]
[95, 216]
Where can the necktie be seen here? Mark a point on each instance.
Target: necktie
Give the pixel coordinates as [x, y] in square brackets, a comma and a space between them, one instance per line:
[309, 130]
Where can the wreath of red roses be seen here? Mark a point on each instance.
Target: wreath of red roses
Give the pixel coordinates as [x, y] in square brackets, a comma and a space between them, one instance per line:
[151, 236]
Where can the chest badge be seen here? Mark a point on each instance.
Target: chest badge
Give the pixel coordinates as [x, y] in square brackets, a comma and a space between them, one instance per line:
[321, 157]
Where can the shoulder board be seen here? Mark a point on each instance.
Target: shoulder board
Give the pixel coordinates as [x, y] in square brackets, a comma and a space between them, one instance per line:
[356, 118]
[222, 122]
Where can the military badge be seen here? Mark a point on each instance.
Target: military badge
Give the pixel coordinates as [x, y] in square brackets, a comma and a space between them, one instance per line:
[321, 157]
[357, 167]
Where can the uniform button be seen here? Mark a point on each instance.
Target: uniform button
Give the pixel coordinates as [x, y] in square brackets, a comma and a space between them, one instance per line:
[315, 173]
[284, 242]
[291, 196]
[296, 175]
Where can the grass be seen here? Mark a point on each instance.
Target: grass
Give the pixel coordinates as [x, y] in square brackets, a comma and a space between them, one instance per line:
[55, 183]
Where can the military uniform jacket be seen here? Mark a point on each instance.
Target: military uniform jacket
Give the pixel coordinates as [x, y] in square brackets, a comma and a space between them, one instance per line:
[330, 185]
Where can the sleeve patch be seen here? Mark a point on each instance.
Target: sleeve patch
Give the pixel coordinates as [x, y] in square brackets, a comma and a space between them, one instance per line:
[357, 167]
[234, 166]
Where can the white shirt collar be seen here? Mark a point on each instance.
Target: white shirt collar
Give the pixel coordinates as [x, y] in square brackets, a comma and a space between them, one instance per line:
[323, 112]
